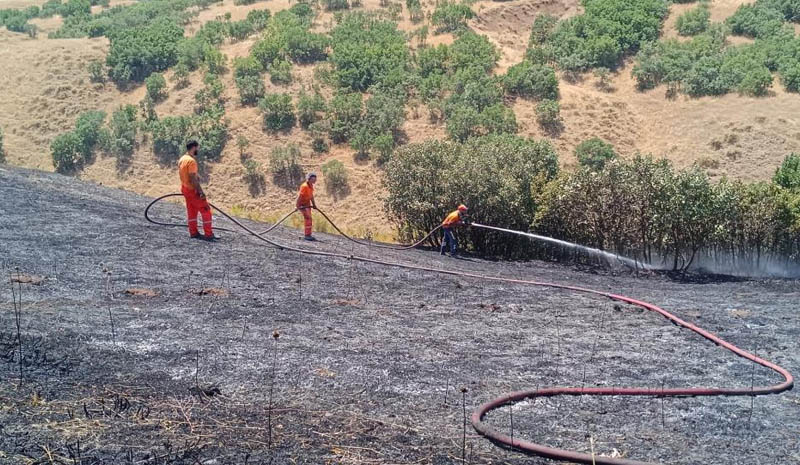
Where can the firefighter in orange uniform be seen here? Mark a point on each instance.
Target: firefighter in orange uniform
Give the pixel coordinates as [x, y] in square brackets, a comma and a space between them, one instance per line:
[305, 202]
[195, 197]
[452, 220]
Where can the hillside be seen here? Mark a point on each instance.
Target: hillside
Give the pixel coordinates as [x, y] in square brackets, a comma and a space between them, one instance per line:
[125, 325]
[45, 84]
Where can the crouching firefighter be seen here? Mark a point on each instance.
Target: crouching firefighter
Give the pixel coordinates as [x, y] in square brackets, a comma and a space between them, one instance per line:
[452, 220]
[195, 197]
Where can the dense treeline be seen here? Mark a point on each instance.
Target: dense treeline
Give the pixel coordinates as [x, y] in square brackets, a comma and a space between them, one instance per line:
[642, 208]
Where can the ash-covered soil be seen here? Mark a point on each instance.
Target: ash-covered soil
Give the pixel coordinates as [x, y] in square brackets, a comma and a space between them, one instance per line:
[140, 346]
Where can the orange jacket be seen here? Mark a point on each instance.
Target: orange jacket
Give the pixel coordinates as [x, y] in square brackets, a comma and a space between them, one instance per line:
[452, 219]
[306, 195]
[186, 166]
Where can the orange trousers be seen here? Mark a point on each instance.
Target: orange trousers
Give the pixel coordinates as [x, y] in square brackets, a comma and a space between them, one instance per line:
[307, 219]
[195, 205]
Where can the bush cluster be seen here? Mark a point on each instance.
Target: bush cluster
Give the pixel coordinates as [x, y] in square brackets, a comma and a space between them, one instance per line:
[72, 150]
[694, 21]
[123, 129]
[450, 16]
[646, 209]
[367, 51]
[278, 112]
[171, 133]
[287, 37]
[493, 175]
[600, 36]
[247, 75]
[531, 80]
[137, 52]
[641, 208]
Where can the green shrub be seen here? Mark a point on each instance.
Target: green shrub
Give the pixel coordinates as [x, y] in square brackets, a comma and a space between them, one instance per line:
[138, 52]
[543, 27]
[319, 145]
[156, 87]
[67, 153]
[336, 179]
[247, 75]
[306, 47]
[169, 136]
[310, 109]
[244, 2]
[122, 137]
[97, 71]
[209, 99]
[335, 5]
[284, 164]
[344, 114]
[530, 80]
[240, 30]
[181, 76]
[214, 60]
[755, 20]
[602, 34]
[16, 23]
[450, 16]
[367, 51]
[594, 153]
[258, 19]
[694, 21]
[788, 174]
[88, 128]
[278, 111]
[50, 8]
[76, 8]
[473, 51]
[280, 72]
[548, 114]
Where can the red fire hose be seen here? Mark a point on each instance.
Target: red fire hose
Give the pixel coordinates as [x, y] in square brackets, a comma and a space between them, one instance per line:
[513, 397]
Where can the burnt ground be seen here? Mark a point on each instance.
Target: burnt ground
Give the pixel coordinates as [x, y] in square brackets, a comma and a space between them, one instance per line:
[130, 319]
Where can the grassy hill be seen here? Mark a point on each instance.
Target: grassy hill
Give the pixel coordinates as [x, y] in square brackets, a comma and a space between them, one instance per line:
[46, 85]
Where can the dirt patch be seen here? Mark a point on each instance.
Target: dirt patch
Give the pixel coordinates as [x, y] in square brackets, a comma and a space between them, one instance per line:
[26, 279]
[140, 292]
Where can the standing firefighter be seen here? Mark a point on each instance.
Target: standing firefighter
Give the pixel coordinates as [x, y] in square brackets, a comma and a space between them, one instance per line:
[195, 197]
[305, 202]
[452, 220]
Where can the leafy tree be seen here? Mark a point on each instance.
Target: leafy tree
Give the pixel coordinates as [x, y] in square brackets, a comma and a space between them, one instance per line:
[310, 109]
[122, 135]
[76, 8]
[284, 164]
[531, 80]
[344, 114]
[88, 128]
[367, 51]
[548, 114]
[543, 27]
[258, 19]
[181, 76]
[278, 111]
[169, 136]
[471, 50]
[156, 87]
[247, 75]
[240, 30]
[303, 46]
[694, 21]
[66, 152]
[450, 16]
[97, 71]
[280, 72]
[594, 153]
[788, 175]
[335, 5]
[138, 52]
[336, 179]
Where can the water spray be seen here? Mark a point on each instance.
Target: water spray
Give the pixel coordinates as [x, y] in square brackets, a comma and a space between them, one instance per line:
[570, 245]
